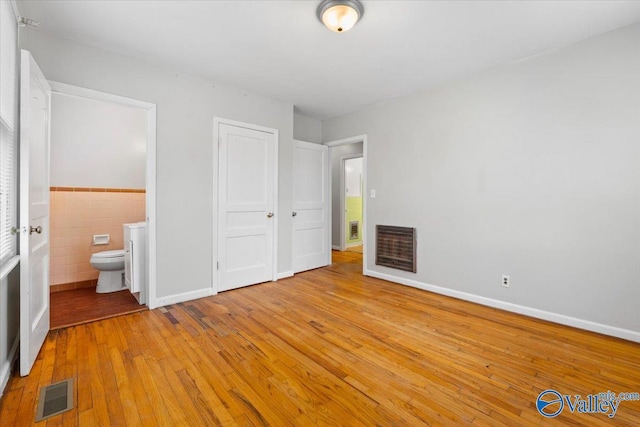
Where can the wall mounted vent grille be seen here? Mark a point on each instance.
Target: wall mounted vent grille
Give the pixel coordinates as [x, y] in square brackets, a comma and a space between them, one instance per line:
[396, 247]
[354, 230]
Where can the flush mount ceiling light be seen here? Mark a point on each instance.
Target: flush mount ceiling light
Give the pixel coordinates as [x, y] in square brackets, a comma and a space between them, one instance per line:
[340, 15]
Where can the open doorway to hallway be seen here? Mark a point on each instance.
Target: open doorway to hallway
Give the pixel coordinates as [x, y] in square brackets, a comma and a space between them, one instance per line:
[351, 197]
[348, 191]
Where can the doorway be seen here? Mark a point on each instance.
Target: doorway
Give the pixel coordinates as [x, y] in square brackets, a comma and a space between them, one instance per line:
[351, 198]
[342, 151]
[103, 176]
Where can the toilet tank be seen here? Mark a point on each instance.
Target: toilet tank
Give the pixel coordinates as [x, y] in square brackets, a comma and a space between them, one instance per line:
[135, 260]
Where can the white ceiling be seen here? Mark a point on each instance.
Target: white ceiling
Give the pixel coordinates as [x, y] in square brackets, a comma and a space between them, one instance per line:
[279, 49]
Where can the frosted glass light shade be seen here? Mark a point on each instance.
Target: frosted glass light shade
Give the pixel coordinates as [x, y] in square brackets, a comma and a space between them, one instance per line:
[340, 16]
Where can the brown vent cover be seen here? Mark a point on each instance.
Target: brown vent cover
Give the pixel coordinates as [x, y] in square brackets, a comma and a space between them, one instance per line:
[396, 247]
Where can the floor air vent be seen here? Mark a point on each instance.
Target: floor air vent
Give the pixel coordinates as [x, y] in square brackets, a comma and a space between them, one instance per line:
[55, 399]
[396, 247]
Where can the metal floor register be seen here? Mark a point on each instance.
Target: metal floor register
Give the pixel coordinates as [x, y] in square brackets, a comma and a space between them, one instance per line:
[55, 399]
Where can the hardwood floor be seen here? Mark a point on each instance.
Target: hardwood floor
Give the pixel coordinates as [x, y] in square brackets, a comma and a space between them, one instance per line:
[326, 347]
[77, 306]
[355, 249]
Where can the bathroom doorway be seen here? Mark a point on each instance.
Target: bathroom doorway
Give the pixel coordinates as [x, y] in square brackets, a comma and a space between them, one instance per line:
[102, 176]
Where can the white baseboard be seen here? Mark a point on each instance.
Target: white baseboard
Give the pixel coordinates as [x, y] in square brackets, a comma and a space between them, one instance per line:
[284, 275]
[187, 296]
[336, 248]
[514, 308]
[5, 368]
[351, 245]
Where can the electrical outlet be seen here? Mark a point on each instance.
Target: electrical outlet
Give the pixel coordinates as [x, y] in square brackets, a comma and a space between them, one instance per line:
[506, 281]
[373, 194]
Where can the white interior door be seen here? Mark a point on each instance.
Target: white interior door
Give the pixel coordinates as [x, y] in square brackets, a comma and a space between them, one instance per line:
[35, 106]
[246, 205]
[310, 206]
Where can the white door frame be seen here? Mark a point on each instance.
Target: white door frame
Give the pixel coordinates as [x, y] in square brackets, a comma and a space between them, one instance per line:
[343, 197]
[345, 141]
[217, 121]
[150, 195]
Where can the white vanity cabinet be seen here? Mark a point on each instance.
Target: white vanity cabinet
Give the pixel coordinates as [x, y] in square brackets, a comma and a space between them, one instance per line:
[135, 260]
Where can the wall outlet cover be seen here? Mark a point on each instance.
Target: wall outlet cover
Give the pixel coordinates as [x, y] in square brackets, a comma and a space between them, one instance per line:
[506, 281]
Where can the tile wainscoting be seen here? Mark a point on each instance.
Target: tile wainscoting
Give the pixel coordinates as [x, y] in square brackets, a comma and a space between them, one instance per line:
[77, 213]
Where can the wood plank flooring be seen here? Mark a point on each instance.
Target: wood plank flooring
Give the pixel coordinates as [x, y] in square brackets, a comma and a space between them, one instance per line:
[77, 306]
[357, 249]
[327, 347]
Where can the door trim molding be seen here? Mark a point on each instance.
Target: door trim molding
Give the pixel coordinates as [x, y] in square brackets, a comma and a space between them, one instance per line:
[365, 186]
[351, 140]
[217, 121]
[150, 199]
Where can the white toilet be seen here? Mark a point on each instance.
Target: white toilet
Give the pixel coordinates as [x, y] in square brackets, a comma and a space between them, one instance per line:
[111, 267]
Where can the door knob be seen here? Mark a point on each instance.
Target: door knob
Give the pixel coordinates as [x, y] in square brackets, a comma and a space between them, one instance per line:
[294, 213]
[37, 229]
[270, 214]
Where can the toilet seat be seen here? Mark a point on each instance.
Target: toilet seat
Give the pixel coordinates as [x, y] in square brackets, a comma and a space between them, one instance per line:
[109, 254]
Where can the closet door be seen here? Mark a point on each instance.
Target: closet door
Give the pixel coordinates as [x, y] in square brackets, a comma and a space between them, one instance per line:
[246, 206]
[310, 206]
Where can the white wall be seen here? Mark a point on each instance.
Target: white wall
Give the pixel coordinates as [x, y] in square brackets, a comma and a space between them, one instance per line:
[307, 128]
[530, 169]
[97, 144]
[337, 154]
[185, 151]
